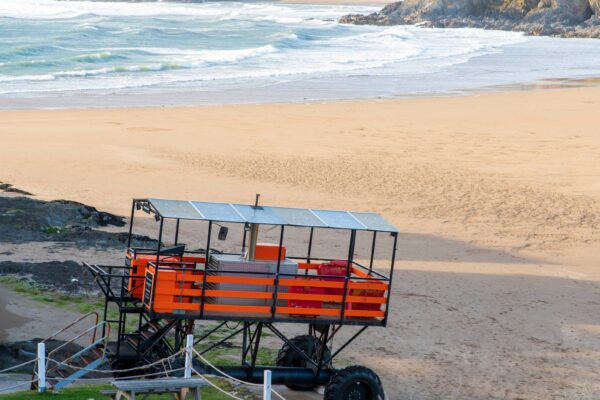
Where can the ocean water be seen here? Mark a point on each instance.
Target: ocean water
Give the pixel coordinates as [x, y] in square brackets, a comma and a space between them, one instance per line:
[66, 53]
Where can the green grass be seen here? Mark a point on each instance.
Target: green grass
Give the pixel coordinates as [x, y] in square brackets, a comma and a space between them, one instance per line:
[75, 393]
[56, 230]
[73, 303]
[80, 304]
[230, 355]
[93, 393]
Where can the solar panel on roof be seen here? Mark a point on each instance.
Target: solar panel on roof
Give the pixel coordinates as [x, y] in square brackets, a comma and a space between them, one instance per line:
[259, 215]
[299, 217]
[182, 209]
[241, 213]
[338, 219]
[374, 221]
[218, 212]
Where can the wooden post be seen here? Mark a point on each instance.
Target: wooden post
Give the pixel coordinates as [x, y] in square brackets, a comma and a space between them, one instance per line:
[188, 356]
[267, 385]
[41, 369]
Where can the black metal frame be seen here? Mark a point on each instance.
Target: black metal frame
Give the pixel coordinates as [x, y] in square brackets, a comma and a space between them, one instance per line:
[113, 281]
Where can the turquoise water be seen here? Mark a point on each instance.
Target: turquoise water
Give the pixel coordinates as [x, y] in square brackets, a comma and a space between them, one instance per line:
[233, 51]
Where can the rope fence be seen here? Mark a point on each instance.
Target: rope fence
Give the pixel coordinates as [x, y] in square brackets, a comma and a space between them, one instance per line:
[189, 353]
[18, 385]
[119, 371]
[17, 366]
[205, 361]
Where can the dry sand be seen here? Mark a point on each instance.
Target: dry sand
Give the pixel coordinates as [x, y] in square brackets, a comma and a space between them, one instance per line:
[497, 294]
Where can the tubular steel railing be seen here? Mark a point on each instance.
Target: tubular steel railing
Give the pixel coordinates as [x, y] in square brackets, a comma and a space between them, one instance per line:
[94, 343]
[190, 296]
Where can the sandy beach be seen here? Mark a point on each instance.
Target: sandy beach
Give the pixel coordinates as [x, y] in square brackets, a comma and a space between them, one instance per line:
[496, 195]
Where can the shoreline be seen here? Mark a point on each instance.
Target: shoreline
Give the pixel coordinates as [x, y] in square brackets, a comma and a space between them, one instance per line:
[542, 84]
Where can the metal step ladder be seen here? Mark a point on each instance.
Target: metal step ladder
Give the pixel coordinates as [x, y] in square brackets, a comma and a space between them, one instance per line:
[149, 338]
[62, 372]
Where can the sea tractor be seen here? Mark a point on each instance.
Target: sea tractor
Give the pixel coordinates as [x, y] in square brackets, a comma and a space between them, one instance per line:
[249, 289]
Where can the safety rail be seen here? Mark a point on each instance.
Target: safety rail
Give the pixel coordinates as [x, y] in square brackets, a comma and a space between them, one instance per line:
[67, 327]
[75, 322]
[94, 344]
[186, 289]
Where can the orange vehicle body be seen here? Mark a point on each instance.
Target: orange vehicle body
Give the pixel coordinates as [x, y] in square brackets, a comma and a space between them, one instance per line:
[180, 291]
[139, 265]
[172, 290]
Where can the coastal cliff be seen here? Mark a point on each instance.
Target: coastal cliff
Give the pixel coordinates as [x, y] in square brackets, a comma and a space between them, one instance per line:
[566, 18]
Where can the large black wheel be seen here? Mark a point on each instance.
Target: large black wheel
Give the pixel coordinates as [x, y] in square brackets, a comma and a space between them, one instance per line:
[354, 383]
[288, 357]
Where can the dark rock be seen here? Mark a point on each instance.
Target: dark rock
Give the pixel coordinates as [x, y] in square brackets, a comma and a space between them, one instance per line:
[24, 219]
[8, 188]
[66, 276]
[568, 18]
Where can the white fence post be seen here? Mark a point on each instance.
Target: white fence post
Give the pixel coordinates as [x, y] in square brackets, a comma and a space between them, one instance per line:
[267, 385]
[41, 366]
[189, 344]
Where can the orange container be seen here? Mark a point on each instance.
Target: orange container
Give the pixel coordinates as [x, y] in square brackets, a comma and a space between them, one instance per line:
[138, 264]
[268, 252]
[170, 289]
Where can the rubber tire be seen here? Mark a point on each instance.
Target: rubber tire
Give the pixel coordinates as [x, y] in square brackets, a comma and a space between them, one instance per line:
[288, 357]
[340, 387]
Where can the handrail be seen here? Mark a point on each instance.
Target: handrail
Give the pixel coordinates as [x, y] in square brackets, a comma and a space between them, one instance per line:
[93, 328]
[55, 334]
[72, 324]
[92, 344]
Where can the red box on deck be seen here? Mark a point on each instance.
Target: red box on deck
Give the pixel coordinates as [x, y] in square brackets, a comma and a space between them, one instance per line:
[367, 293]
[333, 268]
[306, 303]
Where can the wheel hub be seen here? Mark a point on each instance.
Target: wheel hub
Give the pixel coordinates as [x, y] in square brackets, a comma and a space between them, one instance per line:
[359, 391]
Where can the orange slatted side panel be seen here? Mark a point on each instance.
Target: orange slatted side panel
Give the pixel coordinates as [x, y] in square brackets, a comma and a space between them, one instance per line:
[239, 294]
[267, 295]
[364, 313]
[328, 312]
[238, 309]
[240, 280]
[331, 298]
[332, 284]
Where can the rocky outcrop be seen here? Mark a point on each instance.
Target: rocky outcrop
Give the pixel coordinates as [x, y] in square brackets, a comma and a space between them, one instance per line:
[23, 219]
[567, 18]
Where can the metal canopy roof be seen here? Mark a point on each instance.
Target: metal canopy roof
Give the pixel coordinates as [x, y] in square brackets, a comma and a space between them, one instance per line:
[240, 213]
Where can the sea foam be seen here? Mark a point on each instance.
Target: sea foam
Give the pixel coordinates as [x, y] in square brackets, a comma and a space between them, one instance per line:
[49, 46]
